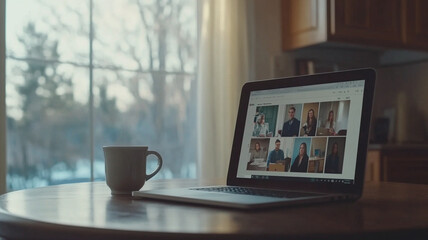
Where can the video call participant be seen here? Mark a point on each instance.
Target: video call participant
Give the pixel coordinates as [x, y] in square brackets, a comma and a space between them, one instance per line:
[291, 127]
[332, 162]
[330, 124]
[300, 163]
[261, 128]
[311, 123]
[276, 154]
[257, 152]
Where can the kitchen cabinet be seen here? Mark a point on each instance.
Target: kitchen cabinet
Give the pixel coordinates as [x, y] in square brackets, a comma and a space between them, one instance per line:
[304, 23]
[417, 24]
[397, 163]
[366, 21]
[384, 23]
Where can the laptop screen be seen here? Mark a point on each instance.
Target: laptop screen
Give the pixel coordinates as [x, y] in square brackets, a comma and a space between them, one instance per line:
[305, 133]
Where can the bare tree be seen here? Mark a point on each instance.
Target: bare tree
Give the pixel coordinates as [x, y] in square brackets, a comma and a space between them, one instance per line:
[162, 122]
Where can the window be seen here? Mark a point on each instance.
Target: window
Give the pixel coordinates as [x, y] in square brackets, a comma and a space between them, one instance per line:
[81, 74]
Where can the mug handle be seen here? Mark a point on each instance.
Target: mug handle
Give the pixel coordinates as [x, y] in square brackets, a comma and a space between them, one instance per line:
[159, 166]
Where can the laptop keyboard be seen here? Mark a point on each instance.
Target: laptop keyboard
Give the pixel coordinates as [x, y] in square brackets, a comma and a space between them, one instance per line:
[256, 192]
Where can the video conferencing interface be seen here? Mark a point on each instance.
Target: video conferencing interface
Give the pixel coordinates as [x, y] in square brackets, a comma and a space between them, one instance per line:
[307, 133]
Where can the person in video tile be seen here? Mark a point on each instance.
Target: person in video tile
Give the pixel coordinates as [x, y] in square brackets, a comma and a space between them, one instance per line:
[291, 127]
[300, 163]
[261, 128]
[330, 124]
[257, 152]
[311, 123]
[276, 154]
[332, 161]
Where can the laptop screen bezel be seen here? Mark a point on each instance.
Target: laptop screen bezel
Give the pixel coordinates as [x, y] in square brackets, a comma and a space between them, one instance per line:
[368, 75]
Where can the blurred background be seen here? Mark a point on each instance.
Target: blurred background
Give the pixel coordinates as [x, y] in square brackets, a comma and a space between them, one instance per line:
[81, 74]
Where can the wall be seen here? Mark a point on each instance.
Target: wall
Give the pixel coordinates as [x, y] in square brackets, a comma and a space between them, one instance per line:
[266, 42]
[405, 86]
[318, 143]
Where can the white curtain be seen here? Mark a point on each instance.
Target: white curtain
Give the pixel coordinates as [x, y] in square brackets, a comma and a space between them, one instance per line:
[223, 69]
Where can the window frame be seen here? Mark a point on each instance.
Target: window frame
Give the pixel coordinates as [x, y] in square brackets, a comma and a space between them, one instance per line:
[3, 97]
[89, 65]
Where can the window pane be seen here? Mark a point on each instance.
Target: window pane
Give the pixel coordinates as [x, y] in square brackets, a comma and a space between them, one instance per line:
[132, 108]
[144, 92]
[146, 35]
[47, 124]
[63, 24]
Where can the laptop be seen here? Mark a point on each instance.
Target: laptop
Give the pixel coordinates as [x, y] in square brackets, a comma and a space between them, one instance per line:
[323, 166]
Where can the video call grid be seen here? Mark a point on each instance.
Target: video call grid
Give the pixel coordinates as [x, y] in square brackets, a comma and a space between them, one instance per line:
[323, 153]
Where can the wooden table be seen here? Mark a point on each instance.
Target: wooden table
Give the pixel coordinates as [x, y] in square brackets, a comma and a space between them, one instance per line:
[88, 211]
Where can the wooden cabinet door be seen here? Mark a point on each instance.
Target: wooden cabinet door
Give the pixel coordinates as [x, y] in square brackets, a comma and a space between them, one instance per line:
[304, 23]
[409, 166]
[375, 22]
[417, 24]
[373, 166]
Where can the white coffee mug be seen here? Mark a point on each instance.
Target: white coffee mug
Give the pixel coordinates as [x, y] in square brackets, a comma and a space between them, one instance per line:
[126, 168]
